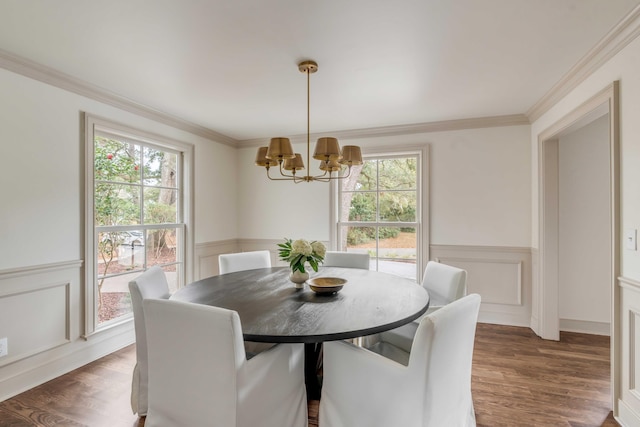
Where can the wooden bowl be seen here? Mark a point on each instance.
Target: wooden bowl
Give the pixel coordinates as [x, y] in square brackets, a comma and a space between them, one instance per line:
[326, 285]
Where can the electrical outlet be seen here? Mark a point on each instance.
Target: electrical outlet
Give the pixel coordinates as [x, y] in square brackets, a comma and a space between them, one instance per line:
[4, 347]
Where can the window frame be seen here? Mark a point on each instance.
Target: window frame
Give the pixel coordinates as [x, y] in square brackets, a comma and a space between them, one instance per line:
[422, 203]
[184, 181]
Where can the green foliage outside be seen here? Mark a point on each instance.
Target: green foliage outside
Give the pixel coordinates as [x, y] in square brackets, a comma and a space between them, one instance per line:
[360, 235]
[116, 203]
[395, 200]
[118, 196]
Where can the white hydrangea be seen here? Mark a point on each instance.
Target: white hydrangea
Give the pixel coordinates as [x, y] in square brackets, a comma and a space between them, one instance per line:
[319, 249]
[301, 246]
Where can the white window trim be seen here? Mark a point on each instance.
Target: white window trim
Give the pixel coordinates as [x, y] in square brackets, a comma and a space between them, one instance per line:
[105, 126]
[423, 244]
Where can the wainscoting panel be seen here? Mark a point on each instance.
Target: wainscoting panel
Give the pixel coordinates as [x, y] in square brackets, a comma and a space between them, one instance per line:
[629, 403]
[41, 315]
[207, 253]
[206, 264]
[505, 285]
[246, 245]
[501, 275]
[35, 308]
[48, 301]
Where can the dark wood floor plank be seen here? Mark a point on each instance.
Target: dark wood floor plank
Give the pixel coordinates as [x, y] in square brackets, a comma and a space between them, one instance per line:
[518, 379]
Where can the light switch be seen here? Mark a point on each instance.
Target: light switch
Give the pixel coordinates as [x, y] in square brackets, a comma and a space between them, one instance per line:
[630, 239]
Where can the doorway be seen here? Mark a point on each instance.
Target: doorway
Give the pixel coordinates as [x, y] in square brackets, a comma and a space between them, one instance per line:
[558, 152]
[547, 289]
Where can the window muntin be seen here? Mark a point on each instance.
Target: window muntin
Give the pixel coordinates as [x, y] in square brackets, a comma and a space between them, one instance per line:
[137, 217]
[378, 213]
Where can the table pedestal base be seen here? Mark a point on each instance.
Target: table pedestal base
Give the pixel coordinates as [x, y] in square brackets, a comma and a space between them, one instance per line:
[312, 363]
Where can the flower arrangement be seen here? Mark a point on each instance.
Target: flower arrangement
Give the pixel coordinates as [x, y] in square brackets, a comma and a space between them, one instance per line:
[300, 251]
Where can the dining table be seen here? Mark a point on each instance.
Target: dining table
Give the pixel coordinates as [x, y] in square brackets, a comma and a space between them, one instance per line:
[273, 310]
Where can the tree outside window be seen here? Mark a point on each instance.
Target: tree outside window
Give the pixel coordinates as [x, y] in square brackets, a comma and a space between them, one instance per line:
[378, 213]
[136, 217]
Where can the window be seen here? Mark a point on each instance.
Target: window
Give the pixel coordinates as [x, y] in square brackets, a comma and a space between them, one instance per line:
[379, 212]
[135, 217]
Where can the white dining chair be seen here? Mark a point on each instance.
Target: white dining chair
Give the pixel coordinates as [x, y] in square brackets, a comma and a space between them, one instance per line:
[199, 375]
[241, 261]
[346, 259]
[150, 284]
[363, 389]
[445, 284]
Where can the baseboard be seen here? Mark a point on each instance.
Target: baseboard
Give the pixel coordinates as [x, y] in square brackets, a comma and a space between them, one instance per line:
[585, 327]
[507, 319]
[42, 368]
[627, 417]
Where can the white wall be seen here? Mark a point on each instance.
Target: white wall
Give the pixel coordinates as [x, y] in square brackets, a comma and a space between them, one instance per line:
[480, 187]
[584, 232]
[480, 190]
[42, 225]
[216, 192]
[278, 209]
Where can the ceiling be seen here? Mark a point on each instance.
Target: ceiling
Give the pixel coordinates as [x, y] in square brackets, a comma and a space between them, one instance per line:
[231, 65]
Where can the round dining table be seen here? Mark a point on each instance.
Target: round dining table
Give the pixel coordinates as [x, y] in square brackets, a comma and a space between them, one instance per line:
[273, 310]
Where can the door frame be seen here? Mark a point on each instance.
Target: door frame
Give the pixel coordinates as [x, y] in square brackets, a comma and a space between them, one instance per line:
[545, 310]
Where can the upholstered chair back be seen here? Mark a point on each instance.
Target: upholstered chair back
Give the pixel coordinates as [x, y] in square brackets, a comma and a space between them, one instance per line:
[199, 374]
[150, 284]
[346, 259]
[244, 261]
[444, 283]
[364, 389]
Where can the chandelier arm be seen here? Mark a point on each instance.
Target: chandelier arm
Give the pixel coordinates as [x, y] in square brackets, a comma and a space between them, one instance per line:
[286, 177]
[293, 175]
[331, 178]
[348, 173]
[324, 178]
[280, 179]
[321, 176]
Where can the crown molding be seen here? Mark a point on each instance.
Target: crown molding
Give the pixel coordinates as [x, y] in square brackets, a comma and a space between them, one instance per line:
[33, 70]
[617, 39]
[69, 83]
[442, 126]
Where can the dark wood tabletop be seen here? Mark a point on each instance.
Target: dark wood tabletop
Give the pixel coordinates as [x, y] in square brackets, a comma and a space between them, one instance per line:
[271, 309]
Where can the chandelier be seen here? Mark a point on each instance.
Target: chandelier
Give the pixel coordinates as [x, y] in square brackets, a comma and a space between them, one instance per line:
[332, 159]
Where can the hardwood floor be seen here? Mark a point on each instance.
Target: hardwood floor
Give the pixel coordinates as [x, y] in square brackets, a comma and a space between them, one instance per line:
[518, 380]
[522, 380]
